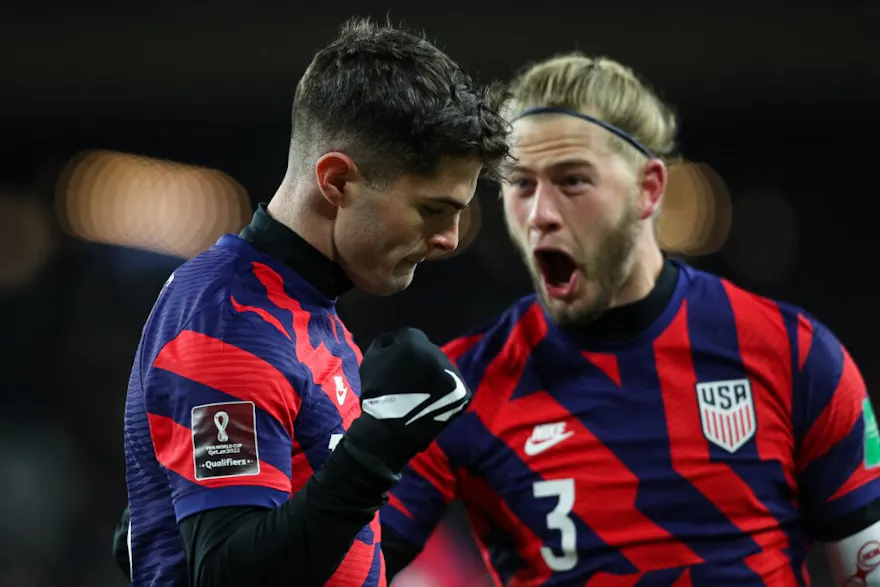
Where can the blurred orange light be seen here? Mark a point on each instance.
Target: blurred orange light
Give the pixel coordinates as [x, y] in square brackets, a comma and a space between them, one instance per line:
[26, 241]
[695, 213]
[149, 204]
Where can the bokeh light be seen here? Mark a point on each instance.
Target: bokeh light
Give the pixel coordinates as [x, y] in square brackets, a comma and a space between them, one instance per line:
[26, 240]
[149, 204]
[696, 213]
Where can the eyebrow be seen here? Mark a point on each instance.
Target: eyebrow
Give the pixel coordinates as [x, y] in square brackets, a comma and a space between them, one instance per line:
[565, 163]
[449, 202]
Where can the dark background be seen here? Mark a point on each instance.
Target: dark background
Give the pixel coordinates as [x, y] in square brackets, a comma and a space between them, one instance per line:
[778, 98]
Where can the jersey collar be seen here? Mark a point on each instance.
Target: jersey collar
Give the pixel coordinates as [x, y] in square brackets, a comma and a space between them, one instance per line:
[272, 238]
[629, 321]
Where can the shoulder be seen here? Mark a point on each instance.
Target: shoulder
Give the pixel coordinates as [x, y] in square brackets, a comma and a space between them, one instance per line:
[756, 317]
[523, 321]
[224, 303]
[765, 326]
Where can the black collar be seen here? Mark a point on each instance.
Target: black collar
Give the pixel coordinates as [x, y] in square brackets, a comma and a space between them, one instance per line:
[269, 236]
[626, 322]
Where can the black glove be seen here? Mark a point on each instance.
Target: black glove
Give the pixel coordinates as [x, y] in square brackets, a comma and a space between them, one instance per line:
[410, 391]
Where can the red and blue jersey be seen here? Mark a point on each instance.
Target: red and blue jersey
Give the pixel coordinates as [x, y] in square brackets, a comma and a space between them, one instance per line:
[244, 380]
[707, 449]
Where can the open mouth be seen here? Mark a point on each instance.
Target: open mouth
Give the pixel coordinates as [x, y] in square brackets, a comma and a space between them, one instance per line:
[558, 271]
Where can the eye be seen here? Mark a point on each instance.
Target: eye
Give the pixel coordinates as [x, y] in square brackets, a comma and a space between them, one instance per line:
[576, 181]
[427, 210]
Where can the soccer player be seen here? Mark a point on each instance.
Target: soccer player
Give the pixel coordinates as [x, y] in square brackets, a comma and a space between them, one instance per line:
[258, 450]
[636, 421]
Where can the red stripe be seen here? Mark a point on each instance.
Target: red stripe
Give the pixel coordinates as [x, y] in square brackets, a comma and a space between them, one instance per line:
[433, 466]
[300, 468]
[486, 557]
[765, 350]
[684, 580]
[837, 419]
[481, 499]
[262, 313]
[233, 371]
[350, 340]
[804, 339]
[504, 371]
[333, 326]
[480, 529]
[607, 363]
[323, 365]
[599, 478]
[174, 450]
[499, 381]
[689, 450]
[608, 580]
[383, 581]
[861, 476]
[394, 502]
[355, 566]
[459, 346]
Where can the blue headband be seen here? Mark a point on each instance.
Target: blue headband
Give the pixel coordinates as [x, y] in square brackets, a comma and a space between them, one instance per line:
[609, 127]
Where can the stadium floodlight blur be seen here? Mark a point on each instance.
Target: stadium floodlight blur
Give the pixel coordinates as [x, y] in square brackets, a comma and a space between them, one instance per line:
[149, 204]
[696, 214]
[26, 240]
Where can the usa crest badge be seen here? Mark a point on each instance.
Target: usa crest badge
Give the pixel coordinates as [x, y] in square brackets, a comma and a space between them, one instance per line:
[727, 412]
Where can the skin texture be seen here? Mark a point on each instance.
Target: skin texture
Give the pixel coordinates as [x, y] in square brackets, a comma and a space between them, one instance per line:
[572, 195]
[379, 234]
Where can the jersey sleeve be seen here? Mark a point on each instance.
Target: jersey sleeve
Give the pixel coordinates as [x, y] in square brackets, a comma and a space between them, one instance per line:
[837, 456]
[221, 397]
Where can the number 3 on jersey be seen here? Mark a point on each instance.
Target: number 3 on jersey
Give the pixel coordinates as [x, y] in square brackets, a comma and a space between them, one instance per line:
[558, 519]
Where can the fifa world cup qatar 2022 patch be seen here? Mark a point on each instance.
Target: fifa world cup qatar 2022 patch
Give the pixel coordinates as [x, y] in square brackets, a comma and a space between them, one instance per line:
[225, 440]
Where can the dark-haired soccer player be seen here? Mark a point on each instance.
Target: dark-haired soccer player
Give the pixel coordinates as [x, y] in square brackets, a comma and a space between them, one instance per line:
[636, 421]
[248, 458]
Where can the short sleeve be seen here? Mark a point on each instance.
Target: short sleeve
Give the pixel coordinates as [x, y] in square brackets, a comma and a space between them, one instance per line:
[221, 397]
[838, 453]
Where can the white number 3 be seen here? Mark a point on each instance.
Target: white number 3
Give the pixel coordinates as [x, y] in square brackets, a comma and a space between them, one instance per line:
[558, 519]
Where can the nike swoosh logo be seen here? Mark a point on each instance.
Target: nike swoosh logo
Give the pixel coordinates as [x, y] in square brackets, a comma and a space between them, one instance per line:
[453, 396]
[534, 447]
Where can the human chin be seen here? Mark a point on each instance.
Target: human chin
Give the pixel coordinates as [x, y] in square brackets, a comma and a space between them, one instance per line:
[386, 283]
[583, 304]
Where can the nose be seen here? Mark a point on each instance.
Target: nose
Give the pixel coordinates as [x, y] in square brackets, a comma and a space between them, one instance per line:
[544, 215]
[444, 242]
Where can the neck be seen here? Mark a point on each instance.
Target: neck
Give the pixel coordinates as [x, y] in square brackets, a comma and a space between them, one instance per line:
[300, 209]
[646, 267]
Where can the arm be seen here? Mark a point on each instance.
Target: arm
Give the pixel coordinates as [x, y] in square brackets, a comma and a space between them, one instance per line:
[837, 456]
[235, 376]
[427, 485]
[416, 506]
[308, 535]
[210, 538]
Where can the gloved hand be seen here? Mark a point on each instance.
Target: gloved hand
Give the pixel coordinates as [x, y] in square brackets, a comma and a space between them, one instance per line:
[410, 391]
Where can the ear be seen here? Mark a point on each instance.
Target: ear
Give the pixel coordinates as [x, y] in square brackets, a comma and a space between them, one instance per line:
[333, 171]
[654, 178]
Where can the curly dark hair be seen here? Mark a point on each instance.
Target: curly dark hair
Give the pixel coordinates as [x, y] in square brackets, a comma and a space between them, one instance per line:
[396, 104]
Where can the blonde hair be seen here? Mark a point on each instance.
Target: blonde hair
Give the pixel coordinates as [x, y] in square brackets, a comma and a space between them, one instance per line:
[602, 88]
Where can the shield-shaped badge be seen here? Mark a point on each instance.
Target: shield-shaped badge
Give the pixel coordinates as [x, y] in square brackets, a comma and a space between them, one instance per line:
[727, 412]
